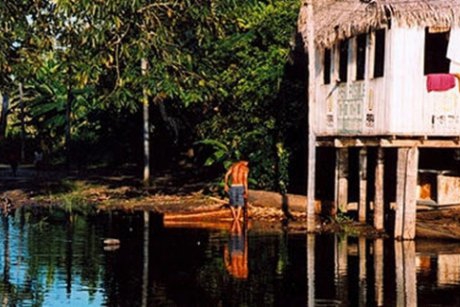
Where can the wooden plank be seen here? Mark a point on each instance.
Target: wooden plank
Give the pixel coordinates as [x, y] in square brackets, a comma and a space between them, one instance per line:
[387, 142]
[410, 202]
[448, 189]
[400, 189]
[406, 193]
[379, 197]
[341, 181]
[362, 208]
[449, 143]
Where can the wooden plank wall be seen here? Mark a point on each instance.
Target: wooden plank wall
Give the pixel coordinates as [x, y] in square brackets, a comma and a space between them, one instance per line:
[396, 104]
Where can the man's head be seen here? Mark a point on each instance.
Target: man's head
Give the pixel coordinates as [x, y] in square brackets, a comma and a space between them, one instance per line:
[244, 162]
[244, 159]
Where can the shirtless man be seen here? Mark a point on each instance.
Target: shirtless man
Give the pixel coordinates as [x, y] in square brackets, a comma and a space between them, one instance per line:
[238, 190]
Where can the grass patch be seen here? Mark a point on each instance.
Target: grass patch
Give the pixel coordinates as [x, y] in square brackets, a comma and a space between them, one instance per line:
[73, 196]
[346, 224]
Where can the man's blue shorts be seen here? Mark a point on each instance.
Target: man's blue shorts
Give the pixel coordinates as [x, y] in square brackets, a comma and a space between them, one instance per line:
[236, 195]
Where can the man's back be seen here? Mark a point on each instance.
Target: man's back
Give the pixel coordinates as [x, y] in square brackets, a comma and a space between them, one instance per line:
[239, 173]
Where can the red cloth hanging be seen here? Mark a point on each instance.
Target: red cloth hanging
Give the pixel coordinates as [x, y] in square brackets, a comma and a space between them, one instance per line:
[440, 82]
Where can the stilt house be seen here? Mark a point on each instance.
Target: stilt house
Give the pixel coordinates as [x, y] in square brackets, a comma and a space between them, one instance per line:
[386, 76]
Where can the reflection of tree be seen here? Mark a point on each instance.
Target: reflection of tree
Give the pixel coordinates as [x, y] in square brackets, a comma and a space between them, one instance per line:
[11, 294]
[283, 259]
[6, 285]
[49, 253]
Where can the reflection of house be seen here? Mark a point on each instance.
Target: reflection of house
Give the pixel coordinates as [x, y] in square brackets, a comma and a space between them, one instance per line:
[384, 79]
[423, 263]
[448, 269]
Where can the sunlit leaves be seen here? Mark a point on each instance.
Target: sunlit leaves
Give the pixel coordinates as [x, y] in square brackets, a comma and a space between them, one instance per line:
[217, 65]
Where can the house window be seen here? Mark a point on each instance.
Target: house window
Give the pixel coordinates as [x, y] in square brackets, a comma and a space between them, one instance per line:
[435, 52]
[327, 66]
[361, 41]
[379, 53]
[343, 61]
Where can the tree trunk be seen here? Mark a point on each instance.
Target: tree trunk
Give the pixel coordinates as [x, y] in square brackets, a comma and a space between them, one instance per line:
[4, 115]
[146, 132]
[68, 137]
[287, 202]
[68, 117]
[23, 126]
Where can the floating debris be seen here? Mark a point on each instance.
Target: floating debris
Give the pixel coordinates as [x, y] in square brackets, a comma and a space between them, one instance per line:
[111, 241]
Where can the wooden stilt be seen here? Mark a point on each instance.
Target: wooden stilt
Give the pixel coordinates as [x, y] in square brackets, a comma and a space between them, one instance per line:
[341, 182]
[362, 206]
[406, 193]
[379, 201]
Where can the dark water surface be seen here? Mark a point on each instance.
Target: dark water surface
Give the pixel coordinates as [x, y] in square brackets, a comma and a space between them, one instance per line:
[53, 263]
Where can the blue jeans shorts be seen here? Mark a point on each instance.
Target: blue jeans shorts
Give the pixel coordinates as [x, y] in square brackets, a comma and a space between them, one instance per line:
[236, 195]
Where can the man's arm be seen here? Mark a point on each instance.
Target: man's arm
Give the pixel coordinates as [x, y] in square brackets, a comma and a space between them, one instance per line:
[227, 175]
[245, 182]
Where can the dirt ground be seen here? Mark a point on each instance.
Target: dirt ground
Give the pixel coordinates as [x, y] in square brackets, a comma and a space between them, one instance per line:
[183, 200]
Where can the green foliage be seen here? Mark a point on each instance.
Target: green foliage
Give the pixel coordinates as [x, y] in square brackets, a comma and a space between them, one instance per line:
[221, 153]
[283, 165]
[248, 60]
[346, 224]
[219, 67]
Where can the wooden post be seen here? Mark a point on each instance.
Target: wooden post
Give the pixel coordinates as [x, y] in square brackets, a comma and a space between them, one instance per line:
[311, 224]
[379, 201]
[406, 273]
[406, 193]
[362, 206]
[341, 181]
[378, 269]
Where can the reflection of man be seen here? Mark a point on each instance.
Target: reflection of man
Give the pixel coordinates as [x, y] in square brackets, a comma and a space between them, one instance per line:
[238, 191]
[235, 252]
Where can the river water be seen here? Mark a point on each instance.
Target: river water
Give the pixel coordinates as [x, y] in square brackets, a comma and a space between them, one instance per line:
[45, 261]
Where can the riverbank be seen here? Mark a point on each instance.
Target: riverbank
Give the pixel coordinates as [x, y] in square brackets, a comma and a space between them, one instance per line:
[183, 199]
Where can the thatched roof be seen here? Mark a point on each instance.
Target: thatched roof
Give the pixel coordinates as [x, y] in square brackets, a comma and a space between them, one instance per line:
[338, 19]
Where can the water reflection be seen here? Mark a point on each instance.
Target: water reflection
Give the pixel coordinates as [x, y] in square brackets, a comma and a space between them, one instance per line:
[65, 264]
[406, 278]
[378, 257]
[448, 271]
[236, 251]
